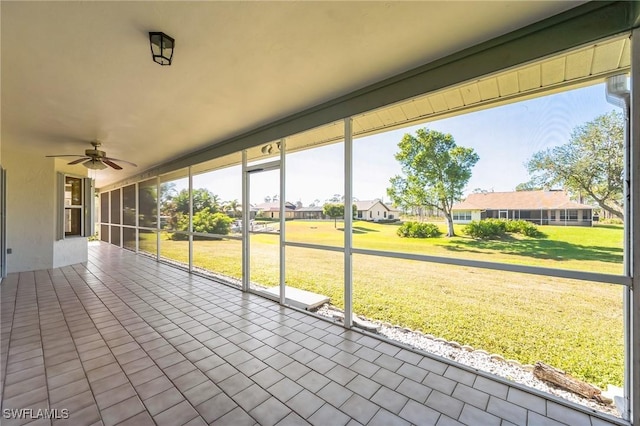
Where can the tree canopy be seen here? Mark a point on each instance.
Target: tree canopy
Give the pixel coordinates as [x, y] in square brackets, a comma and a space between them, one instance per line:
[336, 210]
[528, 186]
[203, 199]
[207, 211]
[591, 164]
[435, 172]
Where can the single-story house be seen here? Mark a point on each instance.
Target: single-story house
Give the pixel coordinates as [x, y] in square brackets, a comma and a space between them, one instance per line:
[544, 207]
[272, 210]
[374, 210]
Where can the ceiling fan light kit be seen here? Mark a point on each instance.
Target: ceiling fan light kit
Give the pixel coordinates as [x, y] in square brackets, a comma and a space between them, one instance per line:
[94, 164]
[161, 47]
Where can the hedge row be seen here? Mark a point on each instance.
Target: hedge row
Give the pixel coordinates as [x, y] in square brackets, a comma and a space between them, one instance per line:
[496, 228]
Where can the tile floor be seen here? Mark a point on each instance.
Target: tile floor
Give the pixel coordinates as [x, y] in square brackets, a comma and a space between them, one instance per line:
[125, 340]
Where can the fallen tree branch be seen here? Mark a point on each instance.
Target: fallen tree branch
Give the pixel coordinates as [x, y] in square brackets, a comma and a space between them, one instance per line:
[561, 379]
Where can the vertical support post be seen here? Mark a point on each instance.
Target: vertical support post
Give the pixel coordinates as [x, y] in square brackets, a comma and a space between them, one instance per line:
[158, 227]
[348, 222]
[283, 217]
[190, 221]
[246, 215]
[618, 95]
[137, 230]
[633, 312]
[3, 223]
[121, 214]
[108, 212]
[627, 312]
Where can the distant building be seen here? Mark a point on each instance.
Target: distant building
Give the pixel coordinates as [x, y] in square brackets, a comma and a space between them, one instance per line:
[374, 210]
[540, 207]
[370, 210]
[272, 210]
[315, 212]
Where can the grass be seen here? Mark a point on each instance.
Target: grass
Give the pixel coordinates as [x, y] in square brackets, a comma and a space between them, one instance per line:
[572, 325]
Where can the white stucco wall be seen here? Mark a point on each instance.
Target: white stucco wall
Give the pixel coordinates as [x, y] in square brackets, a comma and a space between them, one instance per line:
[69, 251]
[31, 213]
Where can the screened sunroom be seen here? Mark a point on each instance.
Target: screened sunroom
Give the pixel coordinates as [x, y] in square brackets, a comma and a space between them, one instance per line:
[193, 305]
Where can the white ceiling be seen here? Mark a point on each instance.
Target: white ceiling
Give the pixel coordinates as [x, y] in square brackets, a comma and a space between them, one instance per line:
[78, 71]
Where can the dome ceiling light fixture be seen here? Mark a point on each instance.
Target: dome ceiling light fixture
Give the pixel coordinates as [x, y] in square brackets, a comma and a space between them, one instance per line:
[161, 48]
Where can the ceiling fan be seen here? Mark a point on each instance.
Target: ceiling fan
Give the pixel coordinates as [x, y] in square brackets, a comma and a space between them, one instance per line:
[95, 159]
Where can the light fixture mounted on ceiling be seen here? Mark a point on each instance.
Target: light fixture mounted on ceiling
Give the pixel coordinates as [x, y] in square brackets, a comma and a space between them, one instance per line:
[161, 47]
[95, 159]
[94, 164]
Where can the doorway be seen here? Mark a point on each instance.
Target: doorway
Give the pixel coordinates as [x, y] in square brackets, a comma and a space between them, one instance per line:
[3, 223]
[263, 229]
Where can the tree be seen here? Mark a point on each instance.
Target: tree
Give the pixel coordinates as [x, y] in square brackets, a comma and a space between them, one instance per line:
[147, 206]
[336, 210]
[167, 191]
[175, 206]
[528, 186]
[591, 164]
[203, 199]
[233, 208]
[435, 170]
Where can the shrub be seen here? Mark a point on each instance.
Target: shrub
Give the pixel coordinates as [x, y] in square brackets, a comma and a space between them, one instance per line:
[418, 230]
[523, 227]
[387, 220]
[205, 222]
[611, 221]
[496, 228]
[486, 229]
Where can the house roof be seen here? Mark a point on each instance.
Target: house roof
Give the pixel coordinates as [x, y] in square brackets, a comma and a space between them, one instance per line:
[310, 209]
[368, 204]
[274, 207]
[519, 200]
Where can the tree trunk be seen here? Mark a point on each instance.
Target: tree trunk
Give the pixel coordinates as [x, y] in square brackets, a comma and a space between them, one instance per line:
[611, 210]
[450, 231]
[563, 380]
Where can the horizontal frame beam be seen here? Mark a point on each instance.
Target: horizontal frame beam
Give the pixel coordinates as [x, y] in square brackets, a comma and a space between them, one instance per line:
[508, 267]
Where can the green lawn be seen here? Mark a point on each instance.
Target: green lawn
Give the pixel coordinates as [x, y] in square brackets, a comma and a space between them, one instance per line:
[573, 325]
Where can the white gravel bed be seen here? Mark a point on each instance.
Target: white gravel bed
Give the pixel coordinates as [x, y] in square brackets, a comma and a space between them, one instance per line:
[477, 359]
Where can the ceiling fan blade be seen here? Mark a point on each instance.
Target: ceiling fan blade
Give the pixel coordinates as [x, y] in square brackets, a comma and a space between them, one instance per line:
[122, 161]
[79, 160]
[70, 155]
[111, 164]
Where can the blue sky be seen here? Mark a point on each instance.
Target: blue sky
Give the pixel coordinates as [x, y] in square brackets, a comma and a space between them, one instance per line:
[504, 137]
